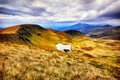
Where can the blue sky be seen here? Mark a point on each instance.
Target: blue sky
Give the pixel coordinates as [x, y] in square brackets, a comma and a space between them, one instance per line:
[68, 12]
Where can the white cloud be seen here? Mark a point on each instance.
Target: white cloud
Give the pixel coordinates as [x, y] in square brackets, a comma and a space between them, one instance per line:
[115, 6]
[22, 18]
[60, 10]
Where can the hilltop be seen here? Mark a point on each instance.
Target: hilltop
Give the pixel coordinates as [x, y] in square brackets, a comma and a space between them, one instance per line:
[33, 34]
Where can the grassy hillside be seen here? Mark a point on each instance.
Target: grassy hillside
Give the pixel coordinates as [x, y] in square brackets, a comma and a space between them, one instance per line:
[90, 59]
[33, 35]
[96, 47]
[20, 62]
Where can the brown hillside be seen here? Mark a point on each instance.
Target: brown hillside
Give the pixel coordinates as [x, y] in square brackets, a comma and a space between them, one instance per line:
[10, 30]
[33, 34]
[19, 33]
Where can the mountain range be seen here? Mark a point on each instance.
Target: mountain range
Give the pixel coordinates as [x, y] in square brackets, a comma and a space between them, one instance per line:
[106, 32]
[82, 27]
[94, 31]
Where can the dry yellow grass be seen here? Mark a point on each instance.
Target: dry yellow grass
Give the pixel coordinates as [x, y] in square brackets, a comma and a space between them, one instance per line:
[91, 59]
[25, 62]
[96, 47]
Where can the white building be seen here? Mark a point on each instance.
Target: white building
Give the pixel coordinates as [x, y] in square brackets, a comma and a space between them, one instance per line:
[64, 47]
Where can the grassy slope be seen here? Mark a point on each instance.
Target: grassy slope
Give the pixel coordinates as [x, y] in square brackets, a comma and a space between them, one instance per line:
[48, 39]
[33, 35]
[86, 62]
[91, 59]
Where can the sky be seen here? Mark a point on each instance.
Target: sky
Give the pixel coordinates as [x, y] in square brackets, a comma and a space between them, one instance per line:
[68, 12]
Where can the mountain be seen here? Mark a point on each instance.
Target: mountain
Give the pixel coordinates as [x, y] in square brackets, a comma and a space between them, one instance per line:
[105, 32]
[28, 52]
[34, 34]
[73, 32]
[0, 27]
[84, 28]
[19, 33]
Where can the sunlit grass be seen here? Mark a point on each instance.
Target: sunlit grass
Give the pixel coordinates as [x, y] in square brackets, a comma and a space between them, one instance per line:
[86, 62]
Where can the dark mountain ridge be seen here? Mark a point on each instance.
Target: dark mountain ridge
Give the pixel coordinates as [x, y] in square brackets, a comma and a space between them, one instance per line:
[73, 32]
[82, 27]
[105, 32]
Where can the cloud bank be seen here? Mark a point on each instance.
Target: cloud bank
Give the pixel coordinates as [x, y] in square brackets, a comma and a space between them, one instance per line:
[60, 10]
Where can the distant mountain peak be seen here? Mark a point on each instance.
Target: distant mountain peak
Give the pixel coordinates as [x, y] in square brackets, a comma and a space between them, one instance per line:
[82, 27]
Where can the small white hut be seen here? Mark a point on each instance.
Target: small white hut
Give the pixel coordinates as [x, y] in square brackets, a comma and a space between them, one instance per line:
[64, 47]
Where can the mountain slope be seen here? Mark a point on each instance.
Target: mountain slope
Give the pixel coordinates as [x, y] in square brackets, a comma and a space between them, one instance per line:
[10, 30]
[36, 35]
[19, 33]
[90, 59]
[32, 34]
[23, 62]
[105, 32]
